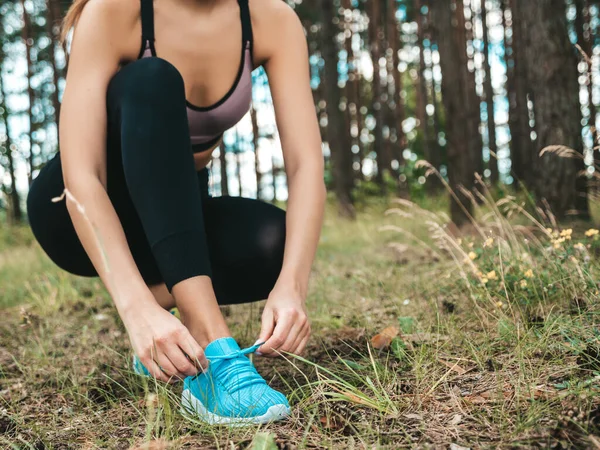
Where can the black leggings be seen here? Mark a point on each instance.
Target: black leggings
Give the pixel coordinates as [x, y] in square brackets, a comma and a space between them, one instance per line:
[174, 229]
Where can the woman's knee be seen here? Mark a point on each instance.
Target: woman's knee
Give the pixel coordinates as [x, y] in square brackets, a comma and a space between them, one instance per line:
[148, 79]
[271, 237]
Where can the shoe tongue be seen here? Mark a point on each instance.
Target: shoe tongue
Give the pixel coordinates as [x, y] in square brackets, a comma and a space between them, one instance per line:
[221, 347]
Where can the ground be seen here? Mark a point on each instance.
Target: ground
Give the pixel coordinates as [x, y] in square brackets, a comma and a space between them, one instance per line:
[420, 339]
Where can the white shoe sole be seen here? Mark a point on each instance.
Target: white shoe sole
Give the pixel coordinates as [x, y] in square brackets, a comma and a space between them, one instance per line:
[193, 408]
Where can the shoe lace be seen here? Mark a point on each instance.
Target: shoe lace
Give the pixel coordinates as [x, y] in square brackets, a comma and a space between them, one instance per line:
[241, 370]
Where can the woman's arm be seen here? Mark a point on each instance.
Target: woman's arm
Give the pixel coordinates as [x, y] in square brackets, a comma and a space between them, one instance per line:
[285, 325]
[98, 46]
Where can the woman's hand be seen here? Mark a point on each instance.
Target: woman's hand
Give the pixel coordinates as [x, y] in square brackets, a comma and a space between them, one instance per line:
[285, 326]
[164, 345]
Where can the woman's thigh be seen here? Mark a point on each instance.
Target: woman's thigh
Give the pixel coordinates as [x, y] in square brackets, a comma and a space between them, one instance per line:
[246, 240]
[53, 227]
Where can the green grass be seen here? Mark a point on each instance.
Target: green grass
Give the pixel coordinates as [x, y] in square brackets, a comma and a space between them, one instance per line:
[498, 345]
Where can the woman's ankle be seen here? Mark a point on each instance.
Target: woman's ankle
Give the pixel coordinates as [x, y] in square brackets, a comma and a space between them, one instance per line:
[204, 331]
[199, 310]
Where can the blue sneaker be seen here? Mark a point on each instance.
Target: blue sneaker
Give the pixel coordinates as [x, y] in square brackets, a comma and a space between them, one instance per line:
[230, 391]
[138, 367]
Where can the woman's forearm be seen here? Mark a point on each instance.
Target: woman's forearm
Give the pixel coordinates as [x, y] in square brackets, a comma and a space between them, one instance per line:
[106, 244]
[304, 218]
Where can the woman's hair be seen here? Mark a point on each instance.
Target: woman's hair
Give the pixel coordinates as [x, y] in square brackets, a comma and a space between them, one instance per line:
[72, 17]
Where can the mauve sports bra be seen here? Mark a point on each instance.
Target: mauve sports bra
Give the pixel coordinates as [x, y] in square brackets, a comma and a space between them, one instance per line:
[208, 123]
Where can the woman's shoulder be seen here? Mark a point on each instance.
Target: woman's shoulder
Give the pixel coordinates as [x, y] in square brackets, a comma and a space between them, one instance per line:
[275, 25]
[116, 10]
[272, 13]
[118, 18]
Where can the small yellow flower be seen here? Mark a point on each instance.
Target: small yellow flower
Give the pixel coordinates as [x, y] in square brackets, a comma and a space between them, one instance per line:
[523, 284]
[529, 274]
[566, 233]
[579, 246]
[488, 242]
[499, 304]
[492, 275]
[484, 280]
[592, 232]
[472, 256]
[549, 230]
[470, 245]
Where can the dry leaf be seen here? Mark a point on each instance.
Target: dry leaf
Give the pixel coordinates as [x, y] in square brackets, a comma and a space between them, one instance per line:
[384, 339]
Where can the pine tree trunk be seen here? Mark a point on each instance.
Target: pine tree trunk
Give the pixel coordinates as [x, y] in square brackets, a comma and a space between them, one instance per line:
[377, 90]
[394, 42]
[458, 105]
[223, 169]
[341, 156]
[53, 26]
[471, 99]
[552, 71]
[238, 171]
[422, 95]
[522, 147]
[255, 138]
[15, 212]
[26, 35]
[489, 98]
[583, 27]
[396, 102]
[350, 89]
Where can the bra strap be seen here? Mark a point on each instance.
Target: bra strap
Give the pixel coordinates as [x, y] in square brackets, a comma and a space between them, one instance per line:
[147, 13]
[246, 22]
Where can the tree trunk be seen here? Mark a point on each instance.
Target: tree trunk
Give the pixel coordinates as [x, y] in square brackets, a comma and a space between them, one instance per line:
[470, 98]
[377, 90]
[552, 71]
[27, 35]
[255, 137]
[462, 143]
[522, 147]
[238, 171]
[422, 95]
[584, 40]
[15, 213]
[350, 89]
[589, 50]
[223, 169]
[341, 157]
[396, 103]
[489, 98]
[53, 27]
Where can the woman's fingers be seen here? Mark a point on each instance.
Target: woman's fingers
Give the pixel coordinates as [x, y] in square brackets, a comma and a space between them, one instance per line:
[302, 344]
[168, 367]
[278, 338]
[155, 370]
[193, 351]
[303, 335]
[293, 335]
[180, 361]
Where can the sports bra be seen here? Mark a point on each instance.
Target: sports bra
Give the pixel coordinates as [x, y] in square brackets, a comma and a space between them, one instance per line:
[208, 123]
